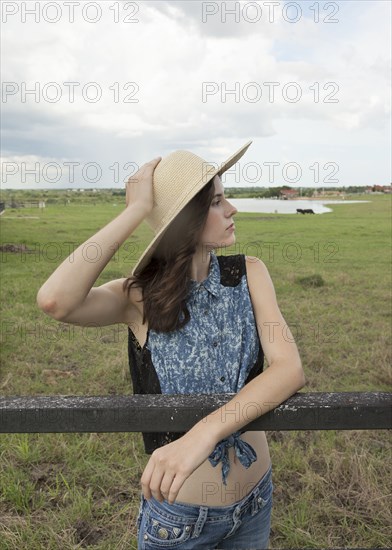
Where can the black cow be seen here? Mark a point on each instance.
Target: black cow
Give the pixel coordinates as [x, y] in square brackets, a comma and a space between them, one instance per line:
[305, 211]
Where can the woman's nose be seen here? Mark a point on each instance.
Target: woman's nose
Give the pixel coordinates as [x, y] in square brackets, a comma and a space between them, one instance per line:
[232, 210]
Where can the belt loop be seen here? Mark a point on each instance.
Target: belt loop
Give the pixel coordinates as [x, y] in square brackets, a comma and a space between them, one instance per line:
[200, 521]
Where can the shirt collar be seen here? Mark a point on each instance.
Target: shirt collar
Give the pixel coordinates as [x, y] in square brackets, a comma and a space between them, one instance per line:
[212, 283]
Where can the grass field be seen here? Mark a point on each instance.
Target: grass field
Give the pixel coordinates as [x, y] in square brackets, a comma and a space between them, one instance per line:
[332, 488]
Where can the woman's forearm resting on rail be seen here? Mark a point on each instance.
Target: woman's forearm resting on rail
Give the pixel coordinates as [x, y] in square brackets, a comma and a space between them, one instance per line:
[259, 396]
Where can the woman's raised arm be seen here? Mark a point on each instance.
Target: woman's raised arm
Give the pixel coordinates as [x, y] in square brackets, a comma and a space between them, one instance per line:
[67, 295]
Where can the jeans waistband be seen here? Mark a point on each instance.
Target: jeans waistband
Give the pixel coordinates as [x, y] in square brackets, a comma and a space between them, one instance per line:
[194, 510]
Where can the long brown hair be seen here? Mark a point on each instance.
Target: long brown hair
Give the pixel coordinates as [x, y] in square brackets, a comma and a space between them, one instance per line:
[165, 279]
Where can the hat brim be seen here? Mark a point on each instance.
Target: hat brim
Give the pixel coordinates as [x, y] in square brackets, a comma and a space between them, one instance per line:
[148, 253]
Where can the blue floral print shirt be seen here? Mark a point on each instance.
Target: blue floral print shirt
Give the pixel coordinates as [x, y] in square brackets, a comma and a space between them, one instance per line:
[213, 353]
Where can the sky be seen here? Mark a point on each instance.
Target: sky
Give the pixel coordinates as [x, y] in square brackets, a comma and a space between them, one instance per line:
[93, 90]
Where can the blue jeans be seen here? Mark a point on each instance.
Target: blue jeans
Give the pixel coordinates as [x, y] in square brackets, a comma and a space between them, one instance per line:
[242, 525]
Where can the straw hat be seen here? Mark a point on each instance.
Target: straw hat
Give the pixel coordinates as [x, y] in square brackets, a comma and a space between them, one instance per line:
[176, 180]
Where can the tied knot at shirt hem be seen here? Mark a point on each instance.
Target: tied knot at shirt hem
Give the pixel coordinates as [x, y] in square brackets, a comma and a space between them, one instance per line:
[245, 453]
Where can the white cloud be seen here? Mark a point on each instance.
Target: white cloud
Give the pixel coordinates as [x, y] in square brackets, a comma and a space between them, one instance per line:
[169, 54]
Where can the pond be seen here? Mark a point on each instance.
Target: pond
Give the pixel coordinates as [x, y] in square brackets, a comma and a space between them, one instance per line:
[279, 206]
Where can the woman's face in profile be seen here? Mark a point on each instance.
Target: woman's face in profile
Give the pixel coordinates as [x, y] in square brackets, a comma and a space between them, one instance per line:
[216, 232]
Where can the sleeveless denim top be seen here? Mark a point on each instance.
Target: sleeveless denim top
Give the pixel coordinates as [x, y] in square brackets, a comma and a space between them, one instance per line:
[217, 351]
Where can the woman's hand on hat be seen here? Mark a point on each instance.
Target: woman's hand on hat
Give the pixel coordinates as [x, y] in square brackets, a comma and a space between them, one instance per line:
[139, 187]
[170, 465]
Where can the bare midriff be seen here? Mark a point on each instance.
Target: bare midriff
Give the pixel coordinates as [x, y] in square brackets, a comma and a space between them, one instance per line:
[205, 486]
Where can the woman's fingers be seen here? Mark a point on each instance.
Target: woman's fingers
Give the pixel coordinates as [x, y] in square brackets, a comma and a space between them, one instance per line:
[139, 187]
[163, 485]
[146, 169]
[176, 485]
[155, 484]
[152, 477]
[146, 479]
[169, 466]
[166, 488]
[159, 475]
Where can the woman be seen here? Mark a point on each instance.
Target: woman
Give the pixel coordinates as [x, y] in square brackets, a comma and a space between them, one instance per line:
[198, 323]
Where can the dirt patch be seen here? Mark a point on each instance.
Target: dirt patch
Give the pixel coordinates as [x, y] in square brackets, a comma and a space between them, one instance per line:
[52, 376]
[86, 535]
[15, 248]
[41, 473]
[311, 281]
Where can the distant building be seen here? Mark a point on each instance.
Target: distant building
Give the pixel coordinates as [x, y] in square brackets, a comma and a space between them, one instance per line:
[286, 194]
[379, 189]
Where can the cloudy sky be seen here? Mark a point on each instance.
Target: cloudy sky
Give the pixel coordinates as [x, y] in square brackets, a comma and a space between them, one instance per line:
[92, 90]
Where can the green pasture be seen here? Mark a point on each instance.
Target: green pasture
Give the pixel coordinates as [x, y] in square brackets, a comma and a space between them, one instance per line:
[332, 488]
